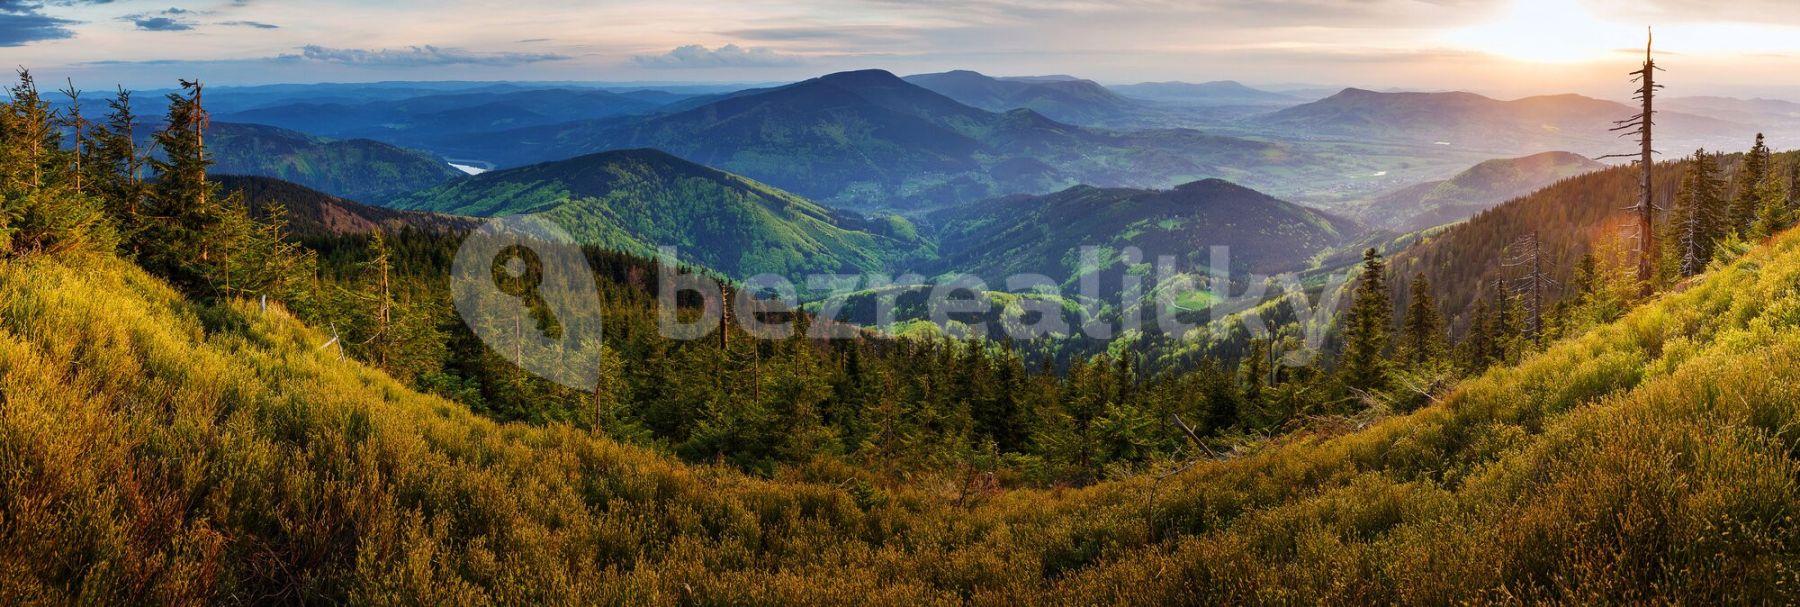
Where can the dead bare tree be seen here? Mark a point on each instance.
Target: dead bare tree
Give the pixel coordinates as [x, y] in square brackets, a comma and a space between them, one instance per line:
[79, 125]
[1641, 125]
[1526, 257]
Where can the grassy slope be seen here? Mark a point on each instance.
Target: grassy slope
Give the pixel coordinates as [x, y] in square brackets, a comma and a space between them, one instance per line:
[153, 451]
[150, 449]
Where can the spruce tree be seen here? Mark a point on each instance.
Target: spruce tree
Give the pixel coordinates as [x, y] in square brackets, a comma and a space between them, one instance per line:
[1697, 219]
[114, 168]
[1772, 213]
[1366, 327]
[41, 209]
[1422, 331]
[183, 213]
[1793, 186]
[1505, 327]
[1745, 198]
[205, 243]
[1478, 344]
[1256, 370]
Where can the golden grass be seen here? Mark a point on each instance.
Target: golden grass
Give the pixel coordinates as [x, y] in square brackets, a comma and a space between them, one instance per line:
[152, 450]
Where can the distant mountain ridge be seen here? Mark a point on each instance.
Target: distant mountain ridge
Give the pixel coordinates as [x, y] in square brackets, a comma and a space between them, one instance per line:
[1468, 120]
[870, 139]
[1218, 92]
[1060, 98]
[412, 120]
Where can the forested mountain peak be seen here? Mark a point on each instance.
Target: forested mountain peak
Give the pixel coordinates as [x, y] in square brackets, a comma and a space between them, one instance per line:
[636, 200]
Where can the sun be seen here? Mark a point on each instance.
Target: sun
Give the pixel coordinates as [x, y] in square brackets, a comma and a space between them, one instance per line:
[1545, 31]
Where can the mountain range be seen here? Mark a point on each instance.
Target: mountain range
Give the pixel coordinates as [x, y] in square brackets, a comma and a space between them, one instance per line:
[1065, 99]
[412, 120]
[1218, 92]
[869, 139]
[1471, 121]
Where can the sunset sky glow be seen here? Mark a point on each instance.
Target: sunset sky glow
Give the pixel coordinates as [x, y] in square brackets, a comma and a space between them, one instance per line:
[1502, 47]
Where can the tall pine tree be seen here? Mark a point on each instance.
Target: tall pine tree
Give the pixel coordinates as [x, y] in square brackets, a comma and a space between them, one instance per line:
[183, 214]
[1367, 327]
[1697, 220]
[41, 207]
[1772, 213]
[1744, 196]
[1422, 330]
[114, 168]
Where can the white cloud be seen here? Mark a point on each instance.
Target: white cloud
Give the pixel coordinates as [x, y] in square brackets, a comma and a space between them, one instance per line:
[416, 56]
[730, 55]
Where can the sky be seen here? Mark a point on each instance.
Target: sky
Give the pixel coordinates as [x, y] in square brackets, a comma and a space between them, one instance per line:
[1505, 48]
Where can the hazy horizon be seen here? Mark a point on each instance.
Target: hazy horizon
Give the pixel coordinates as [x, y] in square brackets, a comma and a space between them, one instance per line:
[1501, 48]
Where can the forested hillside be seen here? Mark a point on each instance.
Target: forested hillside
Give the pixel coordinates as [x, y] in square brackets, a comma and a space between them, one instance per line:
[637, 200]
[1483, 186]
[311, 213]
[1044, 234]
[358, 169]
[1572, 219]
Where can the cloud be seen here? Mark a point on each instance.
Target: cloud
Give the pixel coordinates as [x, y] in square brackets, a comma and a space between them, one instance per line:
[256, 24]
[161, 24]
[167, 20]
[859, 35]
[730, 55]
[24, 22]
[417, 56]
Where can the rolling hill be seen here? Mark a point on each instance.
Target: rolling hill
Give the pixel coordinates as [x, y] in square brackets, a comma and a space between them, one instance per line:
[1044, 234]
[1436, 203]
[1061, 99]
[313, 213]
[870, 139]
[359, 169]
[638, 200]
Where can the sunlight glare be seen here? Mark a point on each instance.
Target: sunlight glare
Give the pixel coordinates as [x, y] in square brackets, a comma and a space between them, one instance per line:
[1546, 31]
